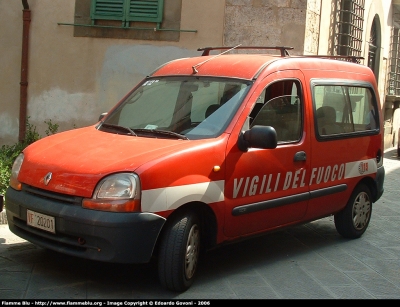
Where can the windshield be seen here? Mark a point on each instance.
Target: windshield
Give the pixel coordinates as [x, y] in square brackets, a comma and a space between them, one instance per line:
[194, 108]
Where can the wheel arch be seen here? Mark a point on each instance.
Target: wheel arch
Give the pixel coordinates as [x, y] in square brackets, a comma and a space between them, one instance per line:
[371, 184]
[208, 223]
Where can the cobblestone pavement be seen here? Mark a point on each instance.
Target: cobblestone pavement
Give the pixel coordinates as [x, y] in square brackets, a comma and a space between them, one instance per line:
[310, 261]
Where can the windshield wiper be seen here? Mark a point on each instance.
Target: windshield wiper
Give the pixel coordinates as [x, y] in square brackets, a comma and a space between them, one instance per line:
[161, 132]
[117, 128]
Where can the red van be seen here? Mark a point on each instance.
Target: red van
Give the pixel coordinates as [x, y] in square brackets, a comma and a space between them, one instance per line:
[204, 151]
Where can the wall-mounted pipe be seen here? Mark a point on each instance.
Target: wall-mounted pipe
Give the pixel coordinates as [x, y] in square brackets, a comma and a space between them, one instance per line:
[26, 17]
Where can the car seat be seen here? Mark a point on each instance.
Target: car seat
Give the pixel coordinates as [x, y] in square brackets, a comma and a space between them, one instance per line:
[326, 117]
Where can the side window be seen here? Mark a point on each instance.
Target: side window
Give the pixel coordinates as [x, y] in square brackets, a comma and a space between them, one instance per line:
[341, 109]
[280, 106]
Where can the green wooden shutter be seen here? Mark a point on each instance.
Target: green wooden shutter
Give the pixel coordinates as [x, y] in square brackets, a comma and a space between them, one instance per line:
[107, 9]
[127, 10]
[145, 10]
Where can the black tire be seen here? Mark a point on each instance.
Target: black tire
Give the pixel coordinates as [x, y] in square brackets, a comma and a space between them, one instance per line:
[354, 219]
[179, 252]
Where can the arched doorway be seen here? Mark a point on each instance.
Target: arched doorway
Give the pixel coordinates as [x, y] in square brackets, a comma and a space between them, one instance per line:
[374, 46]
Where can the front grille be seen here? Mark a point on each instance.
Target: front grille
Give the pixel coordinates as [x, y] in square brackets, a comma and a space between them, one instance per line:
[67, 199]
[57, 241]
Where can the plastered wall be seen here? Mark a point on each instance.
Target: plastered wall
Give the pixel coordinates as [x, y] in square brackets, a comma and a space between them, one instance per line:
[71, 80]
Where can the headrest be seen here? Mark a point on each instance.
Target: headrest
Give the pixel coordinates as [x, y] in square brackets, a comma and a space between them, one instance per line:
[211, 109]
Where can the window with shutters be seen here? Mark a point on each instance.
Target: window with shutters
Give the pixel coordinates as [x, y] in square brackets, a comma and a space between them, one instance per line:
[158, 20]
[127, 10]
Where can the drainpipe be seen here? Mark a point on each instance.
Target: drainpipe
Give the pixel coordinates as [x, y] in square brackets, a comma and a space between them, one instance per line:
[26, 17]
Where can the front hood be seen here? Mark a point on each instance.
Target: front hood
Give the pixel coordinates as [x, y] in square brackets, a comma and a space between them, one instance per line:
[79, 158]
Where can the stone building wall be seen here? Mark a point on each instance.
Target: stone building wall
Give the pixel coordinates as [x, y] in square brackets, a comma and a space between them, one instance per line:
[269, 23]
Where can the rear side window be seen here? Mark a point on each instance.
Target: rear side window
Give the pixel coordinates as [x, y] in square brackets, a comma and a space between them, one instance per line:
[344, 109]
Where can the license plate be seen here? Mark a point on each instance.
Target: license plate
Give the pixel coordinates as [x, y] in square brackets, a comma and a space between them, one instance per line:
[41, 221]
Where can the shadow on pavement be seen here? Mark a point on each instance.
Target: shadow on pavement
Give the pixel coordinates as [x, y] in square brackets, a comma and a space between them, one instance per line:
[391, 153]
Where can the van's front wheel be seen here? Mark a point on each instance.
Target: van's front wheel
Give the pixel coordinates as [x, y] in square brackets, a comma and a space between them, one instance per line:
[179, 252]
[353, 220]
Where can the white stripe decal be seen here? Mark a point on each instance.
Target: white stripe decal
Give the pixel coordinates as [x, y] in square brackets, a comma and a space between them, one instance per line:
[360, 168]
[172, 197]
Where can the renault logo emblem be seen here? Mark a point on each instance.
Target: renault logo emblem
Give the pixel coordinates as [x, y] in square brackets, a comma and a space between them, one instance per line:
[47, 178]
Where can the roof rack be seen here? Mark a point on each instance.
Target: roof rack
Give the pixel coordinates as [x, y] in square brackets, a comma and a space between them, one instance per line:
[348, 58]
[282, 49]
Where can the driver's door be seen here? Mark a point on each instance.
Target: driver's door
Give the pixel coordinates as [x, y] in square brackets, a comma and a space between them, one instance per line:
[268, 188]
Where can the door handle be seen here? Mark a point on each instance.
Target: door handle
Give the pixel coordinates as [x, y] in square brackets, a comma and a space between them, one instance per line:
[300, 156]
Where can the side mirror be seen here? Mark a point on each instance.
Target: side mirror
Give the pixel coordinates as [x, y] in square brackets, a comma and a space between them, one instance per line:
[258, 137]
[102, 115]
[1, 202]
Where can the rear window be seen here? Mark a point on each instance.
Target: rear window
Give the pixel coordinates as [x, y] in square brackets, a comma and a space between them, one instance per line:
[344, 109]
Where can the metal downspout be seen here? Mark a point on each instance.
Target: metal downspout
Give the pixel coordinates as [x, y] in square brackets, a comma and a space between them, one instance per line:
[26, 17]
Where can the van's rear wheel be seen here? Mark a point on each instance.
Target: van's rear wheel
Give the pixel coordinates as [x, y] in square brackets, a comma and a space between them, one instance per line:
[179, 252]
[353, 220]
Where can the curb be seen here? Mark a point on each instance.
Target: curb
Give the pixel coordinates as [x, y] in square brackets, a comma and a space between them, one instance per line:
[3, 218]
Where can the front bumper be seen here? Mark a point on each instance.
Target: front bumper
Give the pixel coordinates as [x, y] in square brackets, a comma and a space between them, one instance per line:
[97, 235]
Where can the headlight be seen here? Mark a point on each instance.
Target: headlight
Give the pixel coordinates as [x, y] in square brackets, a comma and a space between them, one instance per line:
[116, 193]
[14, 183]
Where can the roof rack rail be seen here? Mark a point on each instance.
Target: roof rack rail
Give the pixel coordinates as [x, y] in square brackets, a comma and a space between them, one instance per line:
[282, 49]
[348, 58]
